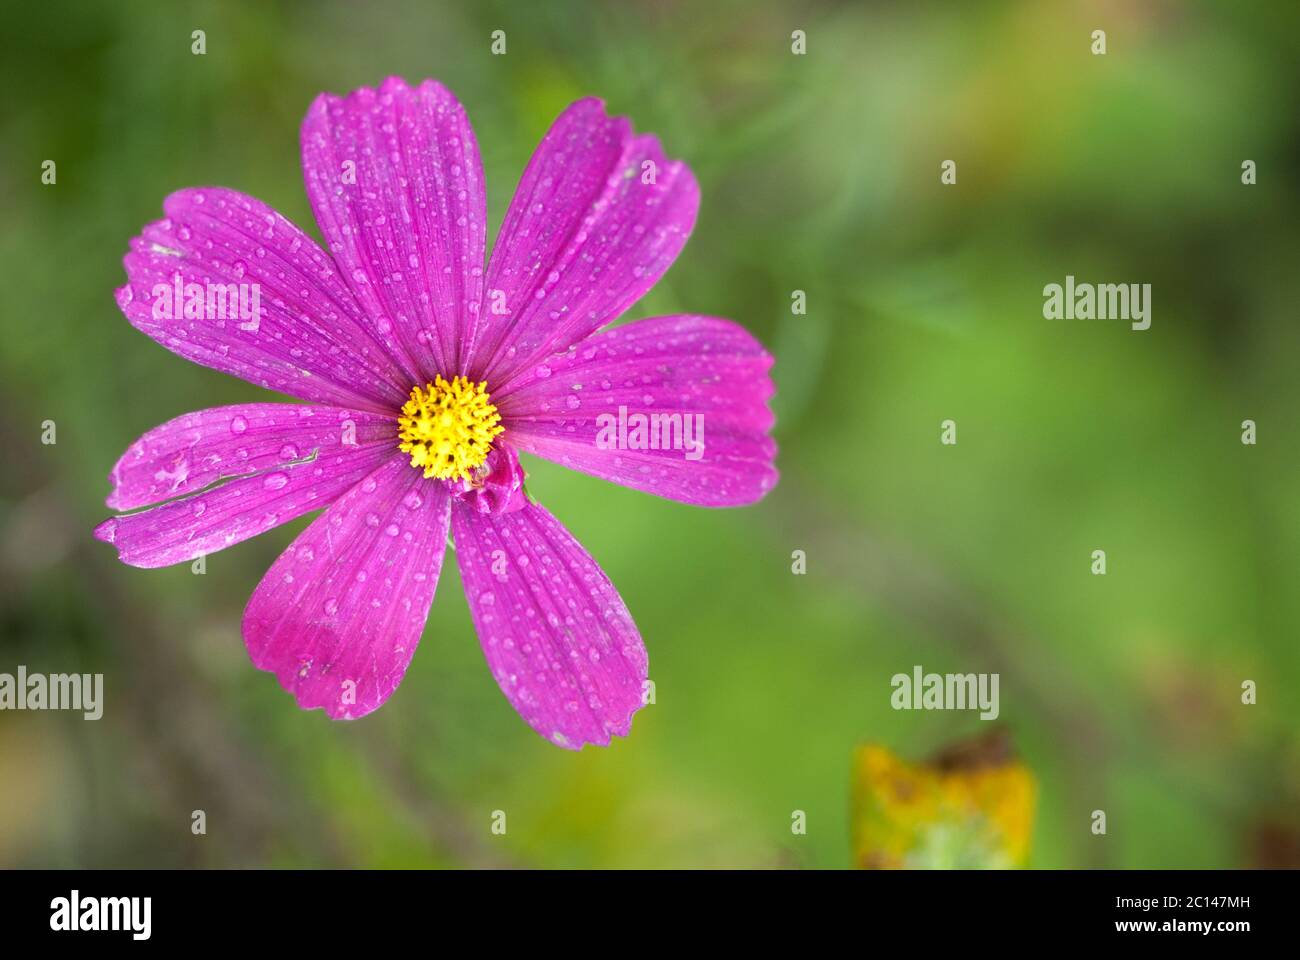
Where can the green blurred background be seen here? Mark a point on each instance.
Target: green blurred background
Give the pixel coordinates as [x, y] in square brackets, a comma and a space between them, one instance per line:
[818, 173]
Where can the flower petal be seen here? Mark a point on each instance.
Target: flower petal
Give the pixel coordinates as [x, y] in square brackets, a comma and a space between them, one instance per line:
[685, 378]
[208, 521]
[557, 637]
[197, 449]
[338, 616]
[308, 339]
[585, 237]
[395, 179]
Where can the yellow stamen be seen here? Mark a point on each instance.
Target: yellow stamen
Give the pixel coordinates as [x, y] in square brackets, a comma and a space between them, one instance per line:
[448, 428]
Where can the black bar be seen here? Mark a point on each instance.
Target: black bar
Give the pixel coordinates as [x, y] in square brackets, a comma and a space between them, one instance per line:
[335, 908]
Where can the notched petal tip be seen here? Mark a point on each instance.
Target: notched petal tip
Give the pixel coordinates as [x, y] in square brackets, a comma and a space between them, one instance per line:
[390, 85]
[622, 730]
[186, 198]
[308, 696]
[106, 532]
[589, 105]
[311, 689]
[341, 698]
[115, 499]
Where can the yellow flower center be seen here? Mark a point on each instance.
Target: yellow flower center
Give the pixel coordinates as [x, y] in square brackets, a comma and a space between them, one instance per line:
[448, 428]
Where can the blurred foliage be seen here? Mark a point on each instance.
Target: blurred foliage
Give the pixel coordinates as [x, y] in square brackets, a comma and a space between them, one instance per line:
[818, 173]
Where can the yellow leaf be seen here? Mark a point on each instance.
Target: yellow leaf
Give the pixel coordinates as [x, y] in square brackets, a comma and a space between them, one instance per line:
[971, 806]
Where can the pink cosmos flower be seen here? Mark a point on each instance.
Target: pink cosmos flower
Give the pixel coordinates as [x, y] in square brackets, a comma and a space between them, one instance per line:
[425, 374]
